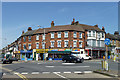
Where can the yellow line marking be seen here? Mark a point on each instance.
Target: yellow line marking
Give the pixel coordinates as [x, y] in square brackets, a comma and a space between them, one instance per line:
[20, 75]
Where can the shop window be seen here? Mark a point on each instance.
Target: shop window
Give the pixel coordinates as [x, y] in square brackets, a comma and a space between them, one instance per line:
[29, 55]
[23, 55]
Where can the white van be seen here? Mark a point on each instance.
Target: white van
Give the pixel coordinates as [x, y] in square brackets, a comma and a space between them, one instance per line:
[81, 54]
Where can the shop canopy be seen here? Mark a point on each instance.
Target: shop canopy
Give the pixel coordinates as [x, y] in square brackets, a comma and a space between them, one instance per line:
[59, 52]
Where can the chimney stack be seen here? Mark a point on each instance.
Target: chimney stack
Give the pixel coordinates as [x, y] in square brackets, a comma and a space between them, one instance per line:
[73, 22]
[96, 25]
[103, 28]
[22, 32]
[116, 33]
[77, 22]
[52, 24]
[29, 28]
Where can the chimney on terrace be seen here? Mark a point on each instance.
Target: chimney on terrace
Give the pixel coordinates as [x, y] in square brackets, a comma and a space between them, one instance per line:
[52, 24]
[29, 28]
[73, 22]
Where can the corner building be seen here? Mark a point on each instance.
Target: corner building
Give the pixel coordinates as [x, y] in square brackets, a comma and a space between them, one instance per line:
[56, 41]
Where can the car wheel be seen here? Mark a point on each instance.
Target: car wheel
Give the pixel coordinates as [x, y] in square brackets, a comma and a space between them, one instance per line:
[75, 61]
[81, 60]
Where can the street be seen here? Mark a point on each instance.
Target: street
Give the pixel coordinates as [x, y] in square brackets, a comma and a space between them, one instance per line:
[52, 69]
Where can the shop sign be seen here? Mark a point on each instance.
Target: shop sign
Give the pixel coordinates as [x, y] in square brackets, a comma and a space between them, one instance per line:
[61, 49]
[68, 49]
[76, 49]
[42, 50]
[54, 50]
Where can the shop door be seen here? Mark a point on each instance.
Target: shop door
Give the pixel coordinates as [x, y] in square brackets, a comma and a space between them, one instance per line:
[35, 56]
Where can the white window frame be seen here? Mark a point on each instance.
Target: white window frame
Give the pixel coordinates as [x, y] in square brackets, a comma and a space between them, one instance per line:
[37, 45]
[43, 45]
[75, 34]
[66, 34]
[29, 47]
[74, 43]
[52, 45]
[103, 35]
[43, 36]
[80, 34]
[58, 44]
[89, 33]
[93, 33]
[66, 43]
[80, 45]
[29, 38]
[52, 34]
[59, 34]
[37, 37]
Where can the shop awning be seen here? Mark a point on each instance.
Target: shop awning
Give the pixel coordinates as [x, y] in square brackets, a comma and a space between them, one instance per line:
[59, 52]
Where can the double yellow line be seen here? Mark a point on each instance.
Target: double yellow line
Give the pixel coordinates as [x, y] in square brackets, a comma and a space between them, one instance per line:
[20, 75]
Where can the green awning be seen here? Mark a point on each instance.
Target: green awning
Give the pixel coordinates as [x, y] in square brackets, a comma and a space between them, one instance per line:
[59, 52]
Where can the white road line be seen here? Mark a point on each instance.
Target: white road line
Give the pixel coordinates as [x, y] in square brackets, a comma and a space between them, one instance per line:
[35, 73]
[88, 72]
[56, 72]
[39, 63]
[72, 66]
[59, 75]
[50, 66]
[66, 72]
[45, 72]
[16, 73]
[77, 72]
[4, 73]
[24, 73]
[68, 63]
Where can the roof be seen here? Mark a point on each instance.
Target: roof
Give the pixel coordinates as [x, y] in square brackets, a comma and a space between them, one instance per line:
[111, 36]
[31, 32]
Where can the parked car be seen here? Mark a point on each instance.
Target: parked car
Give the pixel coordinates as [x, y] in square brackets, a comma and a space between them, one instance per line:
[7, 58]
[71, 58]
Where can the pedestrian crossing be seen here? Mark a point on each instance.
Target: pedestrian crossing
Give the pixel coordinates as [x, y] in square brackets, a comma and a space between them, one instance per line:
[33, 73]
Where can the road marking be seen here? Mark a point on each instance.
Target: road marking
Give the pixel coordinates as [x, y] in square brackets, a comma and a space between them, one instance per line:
[16, 73]
[68, 63]
[66, 72]
[35, 73]
[77, 72]
[87, 71]
[50, 66]
[60, 75]
[4, 73]
[72, 66]
[39, 63]
[24, 73]
[45, 72]
[56, 72]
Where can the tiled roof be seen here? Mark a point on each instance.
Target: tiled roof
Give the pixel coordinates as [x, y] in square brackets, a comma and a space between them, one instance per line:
[111, 36]
[29, 33]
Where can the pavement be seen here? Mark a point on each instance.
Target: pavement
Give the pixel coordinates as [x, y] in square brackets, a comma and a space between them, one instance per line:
[54, 69]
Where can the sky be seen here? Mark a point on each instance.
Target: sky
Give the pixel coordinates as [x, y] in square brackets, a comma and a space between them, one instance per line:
[18, 16]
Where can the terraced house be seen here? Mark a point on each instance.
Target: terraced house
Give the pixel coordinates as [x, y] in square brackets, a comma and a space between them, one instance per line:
[55, 41]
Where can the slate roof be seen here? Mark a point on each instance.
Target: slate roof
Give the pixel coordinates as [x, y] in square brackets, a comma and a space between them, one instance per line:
[113, 37]
[29, 33]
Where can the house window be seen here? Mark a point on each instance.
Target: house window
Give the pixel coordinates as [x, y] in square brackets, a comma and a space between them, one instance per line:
[24, 46]
[80, 44]
[52, 44]
[29, 38]
[93, 33]
[59, 44]
[59, 34]
[24, 38]
[89, 33]
[94, 43]
[29, 46]
[37, 37]
[43, 36]
[75, 34]
[102, 35]
[43, 45]
[98, 35]
[114, 41]
[98, 42]
[66, 34]
[66, 44]
[52, 35]
[74, 43]
[37, 45]
[89, 42]
[80, 35]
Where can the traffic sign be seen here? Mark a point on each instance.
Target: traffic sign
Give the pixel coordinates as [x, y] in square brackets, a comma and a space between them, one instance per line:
[107, 41]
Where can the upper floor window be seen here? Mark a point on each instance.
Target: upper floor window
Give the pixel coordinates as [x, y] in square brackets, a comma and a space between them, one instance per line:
[58, 43]
[93, 33]
[98, 34]
[102, 35]
[29, 38]
[24, 38]
[43, 45]
[52, 35]
[52, 43]
[66, 34]
[43, 36]
[24, 46]
[89, 42]
[80, 44]
[74, 43]
[59, 34]
[89, 33]
[66, 44]
[98, 43]
[94, 43]
[75, 34]
[80, 35]
[37, 45]
[37, 37]
[29, 46]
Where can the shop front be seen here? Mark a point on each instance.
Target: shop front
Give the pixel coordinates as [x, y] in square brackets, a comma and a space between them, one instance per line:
[97, 52]
[56, 54]
[26, 55]
[17, 54]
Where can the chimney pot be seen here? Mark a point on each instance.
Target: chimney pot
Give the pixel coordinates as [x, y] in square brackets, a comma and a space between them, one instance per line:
[22, 32]
[103, 28]
[29, 28]
[73, 22]
[52, 24]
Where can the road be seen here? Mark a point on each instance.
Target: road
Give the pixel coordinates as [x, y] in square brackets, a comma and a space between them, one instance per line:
[52, 69]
